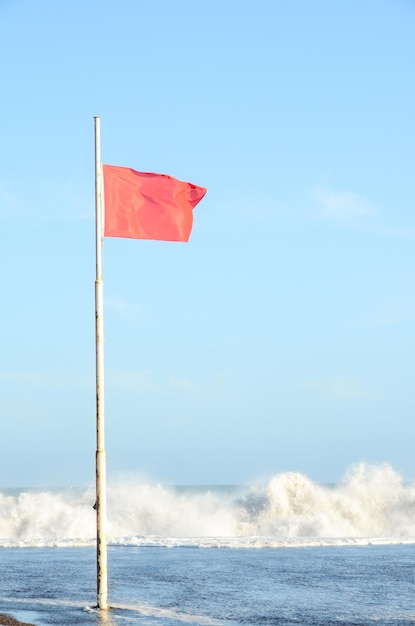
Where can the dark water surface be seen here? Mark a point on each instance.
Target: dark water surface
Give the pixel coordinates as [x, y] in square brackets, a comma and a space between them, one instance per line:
[320, 586]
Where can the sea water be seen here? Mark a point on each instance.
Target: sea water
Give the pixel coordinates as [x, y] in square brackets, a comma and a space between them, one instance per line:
[281, 553]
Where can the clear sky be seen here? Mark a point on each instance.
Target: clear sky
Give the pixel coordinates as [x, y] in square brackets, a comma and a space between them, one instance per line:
[281, 337]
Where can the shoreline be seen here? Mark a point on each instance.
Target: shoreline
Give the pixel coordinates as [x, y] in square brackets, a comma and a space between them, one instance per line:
[8, 620]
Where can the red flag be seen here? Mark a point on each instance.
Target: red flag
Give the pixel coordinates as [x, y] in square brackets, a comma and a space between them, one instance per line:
[142, 205]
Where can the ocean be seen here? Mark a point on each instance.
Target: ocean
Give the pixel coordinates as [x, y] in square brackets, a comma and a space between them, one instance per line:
[286, 552]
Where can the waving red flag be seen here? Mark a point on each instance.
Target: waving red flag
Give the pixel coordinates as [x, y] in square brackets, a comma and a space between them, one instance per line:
[142, 205]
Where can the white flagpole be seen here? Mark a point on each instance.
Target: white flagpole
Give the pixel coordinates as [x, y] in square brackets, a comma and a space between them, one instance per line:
[101, 489]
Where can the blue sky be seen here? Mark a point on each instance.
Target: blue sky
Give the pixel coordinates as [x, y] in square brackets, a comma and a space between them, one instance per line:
[281, 337]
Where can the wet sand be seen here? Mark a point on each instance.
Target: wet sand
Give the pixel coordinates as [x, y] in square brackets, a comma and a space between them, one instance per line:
[6, 620]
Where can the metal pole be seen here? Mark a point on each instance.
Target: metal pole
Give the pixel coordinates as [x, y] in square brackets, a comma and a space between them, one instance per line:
[101, 490]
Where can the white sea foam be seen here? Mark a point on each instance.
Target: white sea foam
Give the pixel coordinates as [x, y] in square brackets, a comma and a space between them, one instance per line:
[372, 505]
